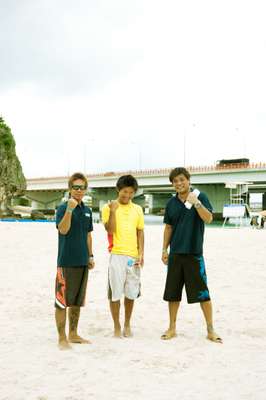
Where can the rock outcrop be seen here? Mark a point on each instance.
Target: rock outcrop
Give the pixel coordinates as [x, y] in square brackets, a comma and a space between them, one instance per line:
[12, 180]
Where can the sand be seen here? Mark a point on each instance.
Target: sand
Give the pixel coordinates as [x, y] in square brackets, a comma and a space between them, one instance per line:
[142, 367]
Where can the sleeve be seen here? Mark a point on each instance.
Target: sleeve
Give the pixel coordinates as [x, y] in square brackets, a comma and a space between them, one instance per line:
[60, 212]
[205, 201]
[105, 214]
[90, 223]
[140, 225]
[167, 219]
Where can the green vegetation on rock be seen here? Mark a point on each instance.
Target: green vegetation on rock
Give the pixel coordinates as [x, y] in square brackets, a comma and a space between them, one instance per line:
[12, 180]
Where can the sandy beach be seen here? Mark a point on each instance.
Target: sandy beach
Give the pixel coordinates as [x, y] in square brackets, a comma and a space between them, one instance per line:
[188, 367]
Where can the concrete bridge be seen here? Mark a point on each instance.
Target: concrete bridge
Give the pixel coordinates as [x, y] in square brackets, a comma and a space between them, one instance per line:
[222, 184]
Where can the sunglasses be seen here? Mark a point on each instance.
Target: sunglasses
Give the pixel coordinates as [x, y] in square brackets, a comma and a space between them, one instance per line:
[77, 187]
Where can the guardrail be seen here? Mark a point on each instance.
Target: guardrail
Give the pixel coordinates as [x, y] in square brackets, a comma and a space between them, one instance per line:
[163, 171]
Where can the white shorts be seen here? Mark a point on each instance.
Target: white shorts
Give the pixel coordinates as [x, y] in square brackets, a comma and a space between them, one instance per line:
[123, 279]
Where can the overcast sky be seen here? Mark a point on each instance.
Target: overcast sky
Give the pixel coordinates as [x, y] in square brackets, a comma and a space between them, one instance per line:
[111, 85]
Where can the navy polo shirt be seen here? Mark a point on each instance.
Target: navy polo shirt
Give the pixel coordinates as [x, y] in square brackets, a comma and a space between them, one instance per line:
[73, 247]
[188, 227]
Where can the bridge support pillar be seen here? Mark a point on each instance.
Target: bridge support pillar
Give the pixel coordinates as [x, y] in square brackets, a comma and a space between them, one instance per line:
[148, 203]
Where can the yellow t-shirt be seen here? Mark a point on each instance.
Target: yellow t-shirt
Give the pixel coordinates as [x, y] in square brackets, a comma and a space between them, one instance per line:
[129, 218]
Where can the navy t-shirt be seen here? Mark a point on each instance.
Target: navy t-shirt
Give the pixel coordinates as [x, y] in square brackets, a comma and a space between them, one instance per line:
[73, 247]
[188, 227]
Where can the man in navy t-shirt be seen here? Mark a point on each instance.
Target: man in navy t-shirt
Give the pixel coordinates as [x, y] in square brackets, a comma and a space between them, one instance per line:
[185, 216]
[75, 258]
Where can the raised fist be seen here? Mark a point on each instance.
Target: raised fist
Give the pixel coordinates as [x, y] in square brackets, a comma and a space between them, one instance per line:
[192, 198]
[72, 203]
[113, 205]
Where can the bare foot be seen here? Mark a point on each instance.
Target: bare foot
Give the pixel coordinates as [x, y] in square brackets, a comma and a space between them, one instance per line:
[214, 337]
[63, 344]
[169, 334]
[127, 331]
[117, 331]
[78, 339]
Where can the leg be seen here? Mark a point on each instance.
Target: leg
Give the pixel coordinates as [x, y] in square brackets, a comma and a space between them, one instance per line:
[132, 292]
[73, 316]
[197, 291]
[129, 304]
[116, 283]
[60, 318]
[115, 311]
[206, 307]
[171, 331]
[173, 292]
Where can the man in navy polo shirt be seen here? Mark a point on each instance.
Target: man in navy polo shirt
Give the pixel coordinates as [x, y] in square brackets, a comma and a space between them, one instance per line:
[75, 258]
[184, 220]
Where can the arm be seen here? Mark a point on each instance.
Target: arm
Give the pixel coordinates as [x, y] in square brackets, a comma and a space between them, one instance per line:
[110, 225]
[89, 244]
[65, 224]
[166, 241]
[140, 239]
[203, 212]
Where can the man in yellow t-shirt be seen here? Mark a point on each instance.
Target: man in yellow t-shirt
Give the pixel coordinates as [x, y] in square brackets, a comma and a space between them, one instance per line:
[124, 222]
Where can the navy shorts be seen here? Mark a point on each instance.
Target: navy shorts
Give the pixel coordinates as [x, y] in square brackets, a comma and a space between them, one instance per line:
[188, 270]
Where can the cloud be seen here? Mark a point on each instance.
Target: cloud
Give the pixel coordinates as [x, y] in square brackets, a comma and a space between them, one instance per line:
[66, 47]
[121, 83]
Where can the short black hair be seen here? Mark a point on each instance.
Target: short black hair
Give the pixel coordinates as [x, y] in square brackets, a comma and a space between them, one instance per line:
[127, 181]
[178, 171]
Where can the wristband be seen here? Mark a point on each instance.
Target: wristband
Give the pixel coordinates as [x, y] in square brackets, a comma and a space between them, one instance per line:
[198, 204]
[69, 209]
[187, 203]
[165, 251]
[91, 256]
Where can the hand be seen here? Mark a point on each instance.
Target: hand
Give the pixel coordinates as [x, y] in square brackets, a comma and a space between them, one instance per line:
[139, 262]
[165, 256]
[72, 203]
[91, 264]
[113, 205]
[192, 198]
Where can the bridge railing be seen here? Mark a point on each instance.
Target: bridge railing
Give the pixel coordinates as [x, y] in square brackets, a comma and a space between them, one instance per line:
[166, 171]
[163, 171]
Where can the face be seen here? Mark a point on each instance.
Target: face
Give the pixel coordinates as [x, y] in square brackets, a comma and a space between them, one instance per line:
[125, 195]
[181, 184]
[78, 189]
